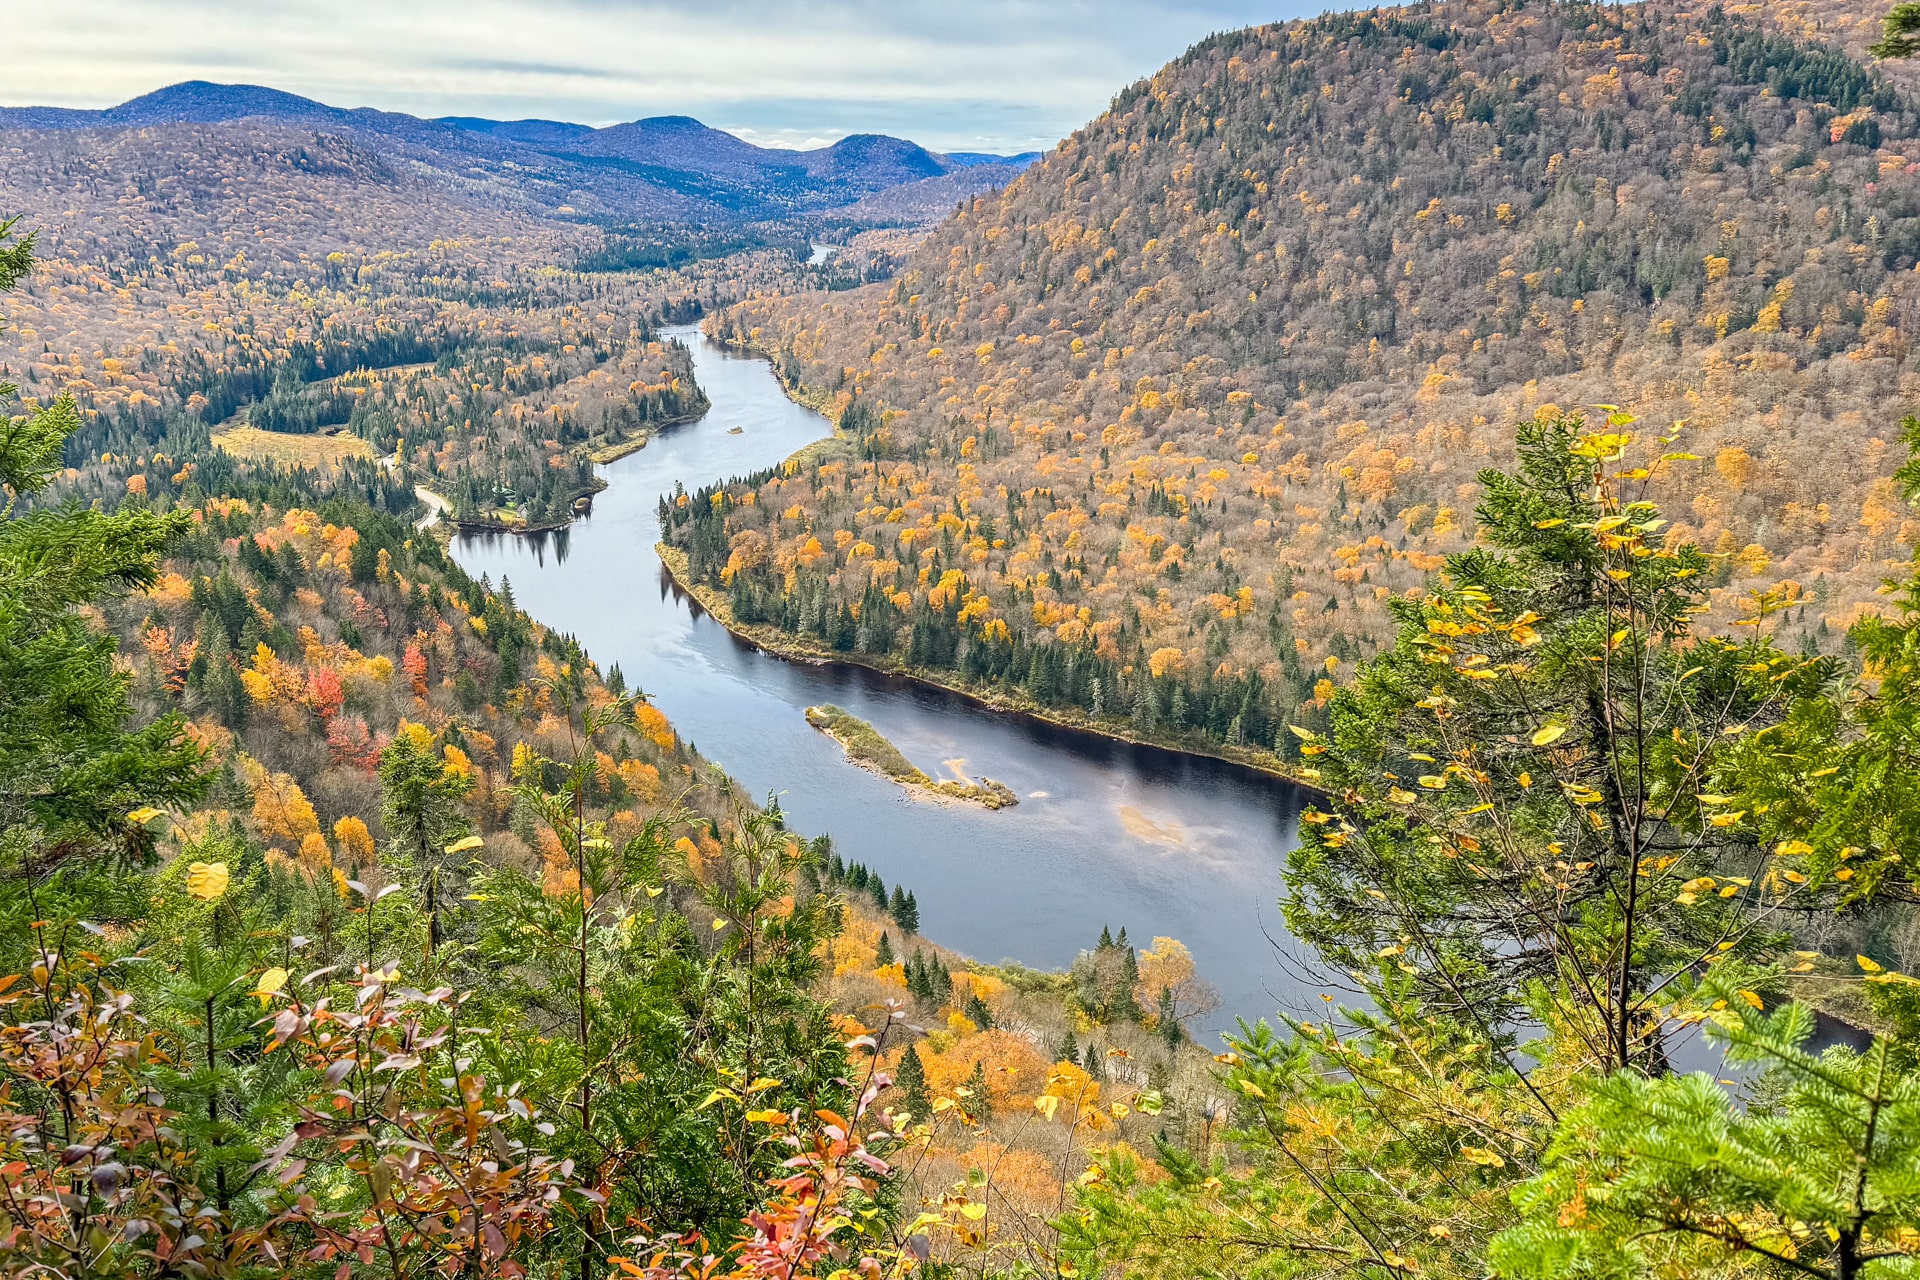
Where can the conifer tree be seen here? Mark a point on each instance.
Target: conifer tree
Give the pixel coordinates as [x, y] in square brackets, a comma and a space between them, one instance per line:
[978, 1097]
[883, 953]
[1069, 1051]
[1168, 1021]
[910, 1085]
[978, 1013]
[909, 914]
[420, 807]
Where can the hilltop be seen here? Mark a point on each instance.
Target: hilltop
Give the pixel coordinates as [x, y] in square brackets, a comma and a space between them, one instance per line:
[1156, 430]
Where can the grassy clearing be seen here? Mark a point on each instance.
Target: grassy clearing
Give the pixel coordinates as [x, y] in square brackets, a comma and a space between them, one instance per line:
[292, 450]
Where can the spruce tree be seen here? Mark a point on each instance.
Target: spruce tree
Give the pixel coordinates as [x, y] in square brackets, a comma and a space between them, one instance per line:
[978, 1013]
[909, 914]
[910, 1085]
[1169, 1021]
[883, 954]
[977, 1094]
[1069, 1051]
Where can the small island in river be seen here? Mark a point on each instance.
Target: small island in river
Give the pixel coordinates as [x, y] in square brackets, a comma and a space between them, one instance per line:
[865, 747]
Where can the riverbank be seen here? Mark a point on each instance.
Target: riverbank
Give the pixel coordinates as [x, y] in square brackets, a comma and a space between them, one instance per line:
[868, 748]
[797, 649]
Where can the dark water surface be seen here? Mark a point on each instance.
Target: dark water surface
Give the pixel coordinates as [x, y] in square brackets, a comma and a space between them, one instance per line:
[1106, 833]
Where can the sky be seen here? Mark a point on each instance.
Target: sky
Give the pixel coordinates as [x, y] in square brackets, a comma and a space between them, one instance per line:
[956, 75]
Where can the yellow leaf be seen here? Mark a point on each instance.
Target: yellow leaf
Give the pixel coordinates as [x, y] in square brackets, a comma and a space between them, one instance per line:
[716, 1096]
[718, 924]
[462, 846]
[766, 1117]
[207, 881]
[973, 1210]
[1868, 965]
[1482, 1156]
[764, 1083]
[1552, 733]
[1046, 1104]
[269, 985]
[1753, 999]
[143, 815]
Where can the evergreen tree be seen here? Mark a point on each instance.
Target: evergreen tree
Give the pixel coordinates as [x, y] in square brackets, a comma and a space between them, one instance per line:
[1671, 1176]
[883, 953]
[420, 805]
[1069, 1051]
[978, 1098]
[908, 914]
[910, 1085]
[1168, 1021]
[978, 1013]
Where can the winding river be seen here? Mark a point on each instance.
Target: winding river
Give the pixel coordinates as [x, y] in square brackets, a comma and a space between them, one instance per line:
[1106, 833]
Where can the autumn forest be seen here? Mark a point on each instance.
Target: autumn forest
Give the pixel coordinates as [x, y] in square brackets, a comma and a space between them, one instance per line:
[1493, 421]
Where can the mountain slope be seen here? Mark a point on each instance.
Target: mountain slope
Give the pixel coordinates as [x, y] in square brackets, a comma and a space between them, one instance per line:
[1215, 377]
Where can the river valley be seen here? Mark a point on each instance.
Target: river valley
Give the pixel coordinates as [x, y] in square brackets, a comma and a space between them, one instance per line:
[1105, 834]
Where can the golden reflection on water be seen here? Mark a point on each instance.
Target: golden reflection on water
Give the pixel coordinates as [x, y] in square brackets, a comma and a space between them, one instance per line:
[1141, 827]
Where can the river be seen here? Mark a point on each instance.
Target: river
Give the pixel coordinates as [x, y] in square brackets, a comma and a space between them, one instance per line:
[1106, 833]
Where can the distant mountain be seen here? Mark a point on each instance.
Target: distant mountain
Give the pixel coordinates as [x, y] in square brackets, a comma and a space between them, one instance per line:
[661, 167]
[201, 102]
[973, 159]
[532, 132]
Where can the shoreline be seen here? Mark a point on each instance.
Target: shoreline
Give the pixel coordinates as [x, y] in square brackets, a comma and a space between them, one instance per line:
[778, 643]
[600, 457]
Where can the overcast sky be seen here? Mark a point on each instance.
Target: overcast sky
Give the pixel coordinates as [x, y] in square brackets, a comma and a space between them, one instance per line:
[951, 74]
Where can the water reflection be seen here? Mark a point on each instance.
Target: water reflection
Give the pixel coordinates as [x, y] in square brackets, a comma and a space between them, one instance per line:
[1106, 833]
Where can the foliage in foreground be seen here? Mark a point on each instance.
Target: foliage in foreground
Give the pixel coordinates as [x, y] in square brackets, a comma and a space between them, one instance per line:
[1563, 833]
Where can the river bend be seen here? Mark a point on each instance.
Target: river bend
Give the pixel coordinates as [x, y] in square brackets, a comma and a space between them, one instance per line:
[1106, 833]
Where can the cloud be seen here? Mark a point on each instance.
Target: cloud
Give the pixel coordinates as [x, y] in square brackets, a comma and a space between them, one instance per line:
[953, 74]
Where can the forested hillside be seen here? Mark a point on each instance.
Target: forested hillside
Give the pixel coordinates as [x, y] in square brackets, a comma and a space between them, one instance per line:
[1158, 430]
